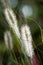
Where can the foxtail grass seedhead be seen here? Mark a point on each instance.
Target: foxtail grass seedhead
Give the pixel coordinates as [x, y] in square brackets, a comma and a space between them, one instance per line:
[12, 21]
[8, 40]
[27, 40]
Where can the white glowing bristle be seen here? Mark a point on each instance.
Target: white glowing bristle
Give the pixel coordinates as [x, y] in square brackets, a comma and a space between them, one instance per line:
[27, 40]
[12, 21]
[8, 39]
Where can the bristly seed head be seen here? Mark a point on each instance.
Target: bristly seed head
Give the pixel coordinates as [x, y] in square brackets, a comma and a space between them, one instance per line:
[12, 21]
[27, 40]
[8, 40]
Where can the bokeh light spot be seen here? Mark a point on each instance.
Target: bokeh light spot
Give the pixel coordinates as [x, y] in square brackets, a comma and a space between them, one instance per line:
[27, 10]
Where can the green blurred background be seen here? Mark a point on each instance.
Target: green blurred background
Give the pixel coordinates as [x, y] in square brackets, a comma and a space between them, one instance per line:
[27, 11]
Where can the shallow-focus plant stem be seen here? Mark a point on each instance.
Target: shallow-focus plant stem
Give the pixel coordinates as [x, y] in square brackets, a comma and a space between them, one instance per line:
[27, 44]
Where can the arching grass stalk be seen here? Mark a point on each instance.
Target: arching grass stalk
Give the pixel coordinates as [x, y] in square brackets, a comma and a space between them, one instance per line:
[9, 46]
